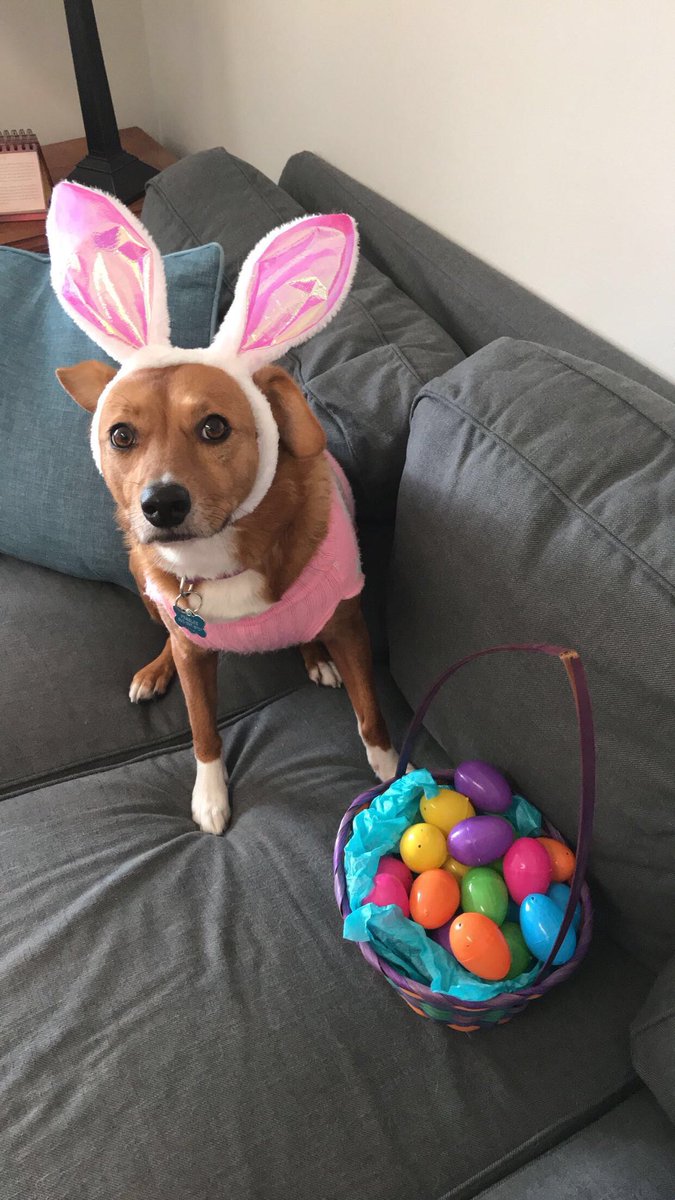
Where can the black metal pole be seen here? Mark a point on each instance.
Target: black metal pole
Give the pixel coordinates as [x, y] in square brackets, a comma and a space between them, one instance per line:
[106, 166]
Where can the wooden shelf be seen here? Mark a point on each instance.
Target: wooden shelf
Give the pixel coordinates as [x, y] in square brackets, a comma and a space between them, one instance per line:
[61, 157]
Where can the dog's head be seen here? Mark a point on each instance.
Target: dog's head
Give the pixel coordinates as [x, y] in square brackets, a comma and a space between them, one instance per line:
[188, 440]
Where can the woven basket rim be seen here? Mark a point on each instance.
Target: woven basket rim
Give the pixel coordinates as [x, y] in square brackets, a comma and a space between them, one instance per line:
[420, 991]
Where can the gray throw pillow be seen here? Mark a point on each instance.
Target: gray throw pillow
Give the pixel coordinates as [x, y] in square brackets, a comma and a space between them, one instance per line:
[538, 504]
[54, 507]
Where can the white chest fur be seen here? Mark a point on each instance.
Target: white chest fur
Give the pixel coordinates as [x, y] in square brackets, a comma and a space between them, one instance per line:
[205, 559]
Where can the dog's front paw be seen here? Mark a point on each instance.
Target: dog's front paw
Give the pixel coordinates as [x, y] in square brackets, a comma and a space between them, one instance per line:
[210, 798]
[152, 680]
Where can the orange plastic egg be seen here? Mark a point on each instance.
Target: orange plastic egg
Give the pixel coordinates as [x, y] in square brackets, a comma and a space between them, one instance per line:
[480, 946]
[434, 898]
[562, 859]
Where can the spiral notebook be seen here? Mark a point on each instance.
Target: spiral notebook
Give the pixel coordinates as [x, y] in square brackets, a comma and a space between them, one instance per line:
[25, 185]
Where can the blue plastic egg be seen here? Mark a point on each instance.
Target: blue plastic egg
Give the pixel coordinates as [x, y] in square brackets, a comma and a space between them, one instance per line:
[540, 920]
[559, 893]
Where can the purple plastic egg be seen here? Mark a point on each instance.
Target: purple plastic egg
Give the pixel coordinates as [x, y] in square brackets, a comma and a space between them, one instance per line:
[477, 841]
[442, 935]
[526, 869]
[486, 788]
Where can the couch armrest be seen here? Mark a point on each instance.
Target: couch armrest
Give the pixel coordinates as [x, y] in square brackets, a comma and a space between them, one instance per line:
[653, 1039]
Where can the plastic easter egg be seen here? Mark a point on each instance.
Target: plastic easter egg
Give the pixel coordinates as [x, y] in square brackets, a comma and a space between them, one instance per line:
[388, 865]
[521, 959]
[527, 868]
[479, 840]
[562, 859]
[484, 891]
[387, 890]
[480, 946]
[446, 809]
[423, 847]
[434, 898]
[455, 868]
[559, 893]
[540, 920]
[486, 787]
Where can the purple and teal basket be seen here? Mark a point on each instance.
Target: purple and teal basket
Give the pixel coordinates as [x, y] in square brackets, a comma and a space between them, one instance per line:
[465, 1015]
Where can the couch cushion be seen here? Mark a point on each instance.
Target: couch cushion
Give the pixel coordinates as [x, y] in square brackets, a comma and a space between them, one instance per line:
[465, 295]
[628, 1154]
[181, 1012]
[653, 1039]
[70, 710]
[537, 505]
[362, 372]
[54, 507]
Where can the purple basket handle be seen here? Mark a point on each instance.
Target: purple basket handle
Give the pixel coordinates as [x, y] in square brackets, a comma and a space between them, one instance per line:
[577, 680]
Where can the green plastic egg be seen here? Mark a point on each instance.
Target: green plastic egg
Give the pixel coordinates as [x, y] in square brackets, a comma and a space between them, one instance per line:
[484, 891]
[521, 959]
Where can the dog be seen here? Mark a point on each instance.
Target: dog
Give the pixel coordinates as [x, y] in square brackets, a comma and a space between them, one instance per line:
[239, 524]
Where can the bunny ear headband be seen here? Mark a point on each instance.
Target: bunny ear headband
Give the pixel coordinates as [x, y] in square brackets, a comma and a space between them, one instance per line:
[109, 277]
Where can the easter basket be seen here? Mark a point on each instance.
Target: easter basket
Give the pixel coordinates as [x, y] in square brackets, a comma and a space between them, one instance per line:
[469, 1015]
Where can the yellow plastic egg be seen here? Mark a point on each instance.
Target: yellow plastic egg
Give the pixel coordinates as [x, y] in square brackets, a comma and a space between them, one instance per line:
[456, 868]
[423, 848]
[446, 809]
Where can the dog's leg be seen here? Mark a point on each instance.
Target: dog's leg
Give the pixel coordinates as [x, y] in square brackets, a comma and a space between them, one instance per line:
[197, 671]
[346, 638]
[320, 668]
[153, 679]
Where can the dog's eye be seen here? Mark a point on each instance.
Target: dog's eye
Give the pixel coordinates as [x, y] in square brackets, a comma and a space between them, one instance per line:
[214, 429]
[122, 437]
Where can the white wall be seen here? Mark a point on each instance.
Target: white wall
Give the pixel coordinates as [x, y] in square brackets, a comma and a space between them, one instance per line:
[37, 83]
[537, 133]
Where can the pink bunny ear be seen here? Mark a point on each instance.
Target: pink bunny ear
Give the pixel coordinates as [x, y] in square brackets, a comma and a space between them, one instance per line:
[291, 285]
[106, 271]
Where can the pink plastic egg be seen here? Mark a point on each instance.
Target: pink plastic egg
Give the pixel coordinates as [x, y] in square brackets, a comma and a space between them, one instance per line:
[527, 868]
[479, 840]
[388, 865]
[388, 890]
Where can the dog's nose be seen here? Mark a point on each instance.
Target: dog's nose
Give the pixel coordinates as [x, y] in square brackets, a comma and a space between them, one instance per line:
[165, 504]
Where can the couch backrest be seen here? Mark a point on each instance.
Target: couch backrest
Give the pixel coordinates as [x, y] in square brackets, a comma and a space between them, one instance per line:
[473, 301]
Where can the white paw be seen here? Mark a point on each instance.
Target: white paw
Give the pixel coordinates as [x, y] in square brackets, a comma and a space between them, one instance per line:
[325, 674]
[210, 799]
[141, 690]
[383, 762]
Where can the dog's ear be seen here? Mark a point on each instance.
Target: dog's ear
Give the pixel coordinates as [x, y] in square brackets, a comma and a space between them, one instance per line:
[299, 430]
[85, 381]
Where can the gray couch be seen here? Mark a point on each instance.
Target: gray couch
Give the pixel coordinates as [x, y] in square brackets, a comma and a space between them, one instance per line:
[179, 1016]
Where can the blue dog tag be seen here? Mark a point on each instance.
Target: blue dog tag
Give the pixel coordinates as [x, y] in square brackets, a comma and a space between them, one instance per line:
[190, 621]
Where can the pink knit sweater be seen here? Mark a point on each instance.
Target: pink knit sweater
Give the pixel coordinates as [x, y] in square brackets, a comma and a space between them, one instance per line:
[332, 575]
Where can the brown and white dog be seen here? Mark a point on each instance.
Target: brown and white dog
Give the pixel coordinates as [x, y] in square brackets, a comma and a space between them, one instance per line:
[230, 506]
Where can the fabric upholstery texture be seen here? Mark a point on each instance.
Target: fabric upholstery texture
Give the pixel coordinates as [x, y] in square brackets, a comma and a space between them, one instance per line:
[181, 1017]
[55, 509]
[653, 1039]
[536, 505]
[628, 1154]
[70, 650]
[466, 296]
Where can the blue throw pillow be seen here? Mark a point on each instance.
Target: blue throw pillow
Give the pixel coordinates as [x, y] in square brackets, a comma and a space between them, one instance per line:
[55, 509]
